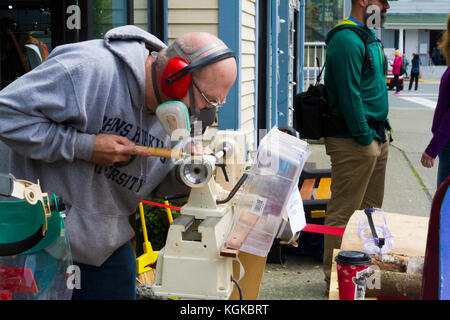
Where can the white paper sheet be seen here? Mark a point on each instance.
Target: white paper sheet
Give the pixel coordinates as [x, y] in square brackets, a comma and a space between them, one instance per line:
[295, 211]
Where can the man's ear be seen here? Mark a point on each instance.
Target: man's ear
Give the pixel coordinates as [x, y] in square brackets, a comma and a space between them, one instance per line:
[363, 3]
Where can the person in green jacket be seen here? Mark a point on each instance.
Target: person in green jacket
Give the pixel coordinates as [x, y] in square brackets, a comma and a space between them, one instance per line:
[357, 93]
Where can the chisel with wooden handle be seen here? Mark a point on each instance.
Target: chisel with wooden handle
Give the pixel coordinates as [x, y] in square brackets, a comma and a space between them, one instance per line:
[164, 152]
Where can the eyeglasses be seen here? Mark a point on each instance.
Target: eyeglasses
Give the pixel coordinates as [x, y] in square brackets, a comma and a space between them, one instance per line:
[210, 104]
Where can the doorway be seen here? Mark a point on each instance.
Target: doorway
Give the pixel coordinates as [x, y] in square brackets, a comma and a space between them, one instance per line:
[263, 32]
[435, 54]
[30, 29]
[25, 37]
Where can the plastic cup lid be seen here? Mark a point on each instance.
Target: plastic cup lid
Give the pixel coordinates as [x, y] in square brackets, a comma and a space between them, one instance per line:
[354, 258]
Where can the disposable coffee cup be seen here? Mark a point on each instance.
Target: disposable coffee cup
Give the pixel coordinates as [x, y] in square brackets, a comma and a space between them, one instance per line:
[352, 272]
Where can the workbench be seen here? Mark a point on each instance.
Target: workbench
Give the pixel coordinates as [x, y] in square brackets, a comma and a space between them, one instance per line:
[410, 237]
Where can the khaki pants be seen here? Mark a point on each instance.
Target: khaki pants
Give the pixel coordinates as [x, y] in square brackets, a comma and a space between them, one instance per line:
[357, 182]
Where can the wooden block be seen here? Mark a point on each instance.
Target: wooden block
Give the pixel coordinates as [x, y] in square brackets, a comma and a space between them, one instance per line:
[147, 277]
[334, 290]
[254, 270]
[307, 189]
[317, 214]
[226, 252]
[323, 190]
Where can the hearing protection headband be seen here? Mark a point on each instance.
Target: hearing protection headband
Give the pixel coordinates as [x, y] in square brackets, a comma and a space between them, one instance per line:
[214, 57]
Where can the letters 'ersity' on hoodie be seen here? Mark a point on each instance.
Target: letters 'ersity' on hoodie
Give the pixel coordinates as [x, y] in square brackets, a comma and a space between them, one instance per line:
[357, 96]
[50, 117]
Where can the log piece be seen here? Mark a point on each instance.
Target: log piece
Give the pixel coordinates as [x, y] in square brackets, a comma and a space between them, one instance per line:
[398, 263]
[395, 276]
[390, 262]
[397, 284]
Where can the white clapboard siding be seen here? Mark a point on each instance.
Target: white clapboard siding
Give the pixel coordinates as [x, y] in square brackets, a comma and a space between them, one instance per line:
[247, 87]
[247, 112]
[249, 129]
[192, 15]
[248, 57]
[141, 14]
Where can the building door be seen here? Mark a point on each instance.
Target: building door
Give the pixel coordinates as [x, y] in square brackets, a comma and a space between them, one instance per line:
[25, 37]
[157, 12]
[263, 31]
[435, 54]
[278, 49]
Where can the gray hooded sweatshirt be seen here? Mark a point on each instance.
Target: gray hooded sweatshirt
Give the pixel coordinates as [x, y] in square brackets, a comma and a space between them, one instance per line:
[50, 117]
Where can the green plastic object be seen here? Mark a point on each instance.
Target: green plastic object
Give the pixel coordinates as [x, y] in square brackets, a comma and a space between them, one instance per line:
[20, 220]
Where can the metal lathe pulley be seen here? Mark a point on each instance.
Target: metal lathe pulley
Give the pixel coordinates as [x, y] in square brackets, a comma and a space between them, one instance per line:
[195, 172]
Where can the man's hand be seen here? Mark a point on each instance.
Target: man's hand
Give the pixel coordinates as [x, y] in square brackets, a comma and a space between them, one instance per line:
[109, 149]
[198, 149]
[426, 160]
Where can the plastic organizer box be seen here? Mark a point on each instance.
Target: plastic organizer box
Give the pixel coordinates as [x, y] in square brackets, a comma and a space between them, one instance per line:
[273, 175]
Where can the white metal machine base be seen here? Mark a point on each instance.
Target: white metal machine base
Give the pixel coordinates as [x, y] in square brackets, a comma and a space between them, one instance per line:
[189, 266]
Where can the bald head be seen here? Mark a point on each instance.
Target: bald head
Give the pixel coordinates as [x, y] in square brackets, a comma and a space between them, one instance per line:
[191, 46]
[218, 76]
[195, 41]
[215, 79]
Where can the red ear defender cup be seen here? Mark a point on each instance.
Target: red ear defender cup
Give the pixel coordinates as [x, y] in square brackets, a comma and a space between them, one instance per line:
[175, 88]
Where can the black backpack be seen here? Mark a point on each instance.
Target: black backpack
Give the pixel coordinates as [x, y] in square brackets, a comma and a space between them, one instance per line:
[312, 113]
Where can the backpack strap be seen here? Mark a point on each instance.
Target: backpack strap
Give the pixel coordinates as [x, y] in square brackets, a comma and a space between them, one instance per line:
[368, 60]
[319, 76]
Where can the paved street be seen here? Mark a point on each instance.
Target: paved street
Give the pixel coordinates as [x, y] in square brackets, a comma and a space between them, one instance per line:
[410, 186]
[409, 189]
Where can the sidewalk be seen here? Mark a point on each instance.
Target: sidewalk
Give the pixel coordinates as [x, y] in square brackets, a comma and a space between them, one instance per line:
[436, 81]
[409, 190]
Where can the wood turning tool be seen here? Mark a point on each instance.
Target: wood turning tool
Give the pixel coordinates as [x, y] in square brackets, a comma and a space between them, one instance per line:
[165, 152]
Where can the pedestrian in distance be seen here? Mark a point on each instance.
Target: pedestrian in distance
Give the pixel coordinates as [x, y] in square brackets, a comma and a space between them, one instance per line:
[396, 70]
[440, 143]
[415, 71]
[405, 64]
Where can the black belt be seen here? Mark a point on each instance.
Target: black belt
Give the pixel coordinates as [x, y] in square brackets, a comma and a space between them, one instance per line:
[380, 128]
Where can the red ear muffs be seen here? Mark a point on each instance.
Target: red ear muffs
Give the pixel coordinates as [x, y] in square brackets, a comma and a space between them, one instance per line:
[175, 87]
